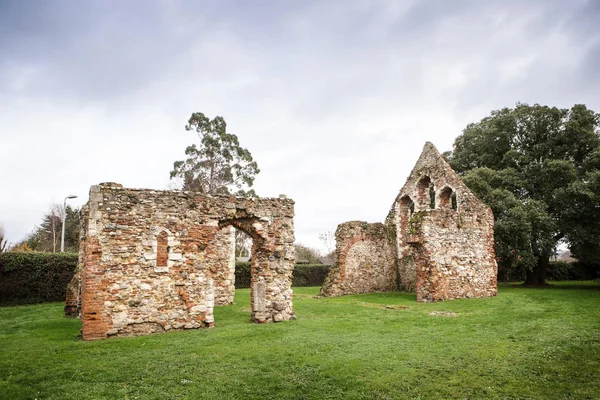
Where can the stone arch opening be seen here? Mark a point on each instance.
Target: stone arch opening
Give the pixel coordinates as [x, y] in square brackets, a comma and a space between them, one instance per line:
[261, 256]
[162, 241]
[406, 209]
[447, 199]
[407, 205]
[426, 193]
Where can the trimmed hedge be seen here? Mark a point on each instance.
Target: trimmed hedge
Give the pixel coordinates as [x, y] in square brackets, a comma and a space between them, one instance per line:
[309, 274]
[575, 271]
[557, 271]
[304, 274]
[33, 277]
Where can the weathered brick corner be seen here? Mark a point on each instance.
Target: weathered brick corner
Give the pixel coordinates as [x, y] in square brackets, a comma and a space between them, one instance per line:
[154, 261]
[441, 238]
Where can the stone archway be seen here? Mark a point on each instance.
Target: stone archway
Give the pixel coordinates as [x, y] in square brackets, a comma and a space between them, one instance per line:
[270, 273]
[124, 292]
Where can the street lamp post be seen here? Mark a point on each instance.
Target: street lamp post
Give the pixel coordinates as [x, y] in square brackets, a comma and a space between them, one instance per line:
[62, 237]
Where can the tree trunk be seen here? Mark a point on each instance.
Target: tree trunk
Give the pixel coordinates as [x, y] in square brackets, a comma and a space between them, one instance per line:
[537, 276]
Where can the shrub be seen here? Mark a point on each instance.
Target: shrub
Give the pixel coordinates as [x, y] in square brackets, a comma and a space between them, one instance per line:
[309, 274]
[242, 275]
[304, 274]
[32, 277]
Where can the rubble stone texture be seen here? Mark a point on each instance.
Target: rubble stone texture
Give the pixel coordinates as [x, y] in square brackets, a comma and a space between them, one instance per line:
[441, 238]
[153, 261]
[364, 260]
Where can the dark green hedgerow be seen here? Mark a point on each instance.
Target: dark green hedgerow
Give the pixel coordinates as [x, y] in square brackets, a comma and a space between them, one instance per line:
[34, 277]
[575, 271]
[38, 277]
[304, 275]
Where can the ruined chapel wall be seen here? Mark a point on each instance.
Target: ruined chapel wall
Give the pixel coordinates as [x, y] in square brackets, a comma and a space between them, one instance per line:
[365, 260]
[128, 290]
[444, 253]
[456, 258]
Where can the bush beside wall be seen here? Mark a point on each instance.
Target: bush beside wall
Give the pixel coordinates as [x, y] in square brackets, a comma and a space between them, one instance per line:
[242, 275]
[575, 271]
[310, 274]
[557, 271]
[304, 275]
[33, 277]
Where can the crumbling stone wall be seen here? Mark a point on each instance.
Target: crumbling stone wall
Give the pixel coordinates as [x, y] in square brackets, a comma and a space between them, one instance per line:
[445, 234]
[155, 261]
[364, 260]
[442, 238]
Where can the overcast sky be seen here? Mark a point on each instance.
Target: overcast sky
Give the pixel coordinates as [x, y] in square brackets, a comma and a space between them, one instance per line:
[334, 99]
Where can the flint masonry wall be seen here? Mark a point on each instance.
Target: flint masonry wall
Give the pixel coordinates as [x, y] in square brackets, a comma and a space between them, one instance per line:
[445, 234]
[364, 260]
[155, 261]
[438, 237]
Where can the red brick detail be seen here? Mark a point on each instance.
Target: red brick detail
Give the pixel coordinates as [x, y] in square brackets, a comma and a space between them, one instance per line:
[162, 245]
[96, 322]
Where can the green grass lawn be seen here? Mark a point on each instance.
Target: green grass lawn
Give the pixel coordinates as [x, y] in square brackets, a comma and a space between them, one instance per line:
[525, 343]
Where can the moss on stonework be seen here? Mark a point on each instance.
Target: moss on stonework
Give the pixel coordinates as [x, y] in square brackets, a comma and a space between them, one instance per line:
[415, 222]
[390, 231]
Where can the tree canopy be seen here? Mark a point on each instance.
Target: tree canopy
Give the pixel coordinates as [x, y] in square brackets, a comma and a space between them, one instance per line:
[538, 168]
[219, 164]
[46, 236]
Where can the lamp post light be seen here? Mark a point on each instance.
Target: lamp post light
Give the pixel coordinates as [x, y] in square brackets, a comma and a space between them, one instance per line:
[62, 237]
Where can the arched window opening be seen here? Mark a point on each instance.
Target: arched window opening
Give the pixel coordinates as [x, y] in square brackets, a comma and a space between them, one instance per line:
[406, 204]
[426, 193]
[448, 199]
[240, 244]
[162, 249]
[445, 196]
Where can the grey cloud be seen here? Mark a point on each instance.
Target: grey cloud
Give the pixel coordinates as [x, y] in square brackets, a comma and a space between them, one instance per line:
[334, 99]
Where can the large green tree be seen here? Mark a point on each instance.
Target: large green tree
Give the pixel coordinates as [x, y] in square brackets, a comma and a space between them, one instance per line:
[219, 164]
[538, 168]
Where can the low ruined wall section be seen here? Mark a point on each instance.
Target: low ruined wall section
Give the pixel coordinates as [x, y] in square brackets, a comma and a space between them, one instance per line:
[456, 258]
[159, 260]
[365, 260]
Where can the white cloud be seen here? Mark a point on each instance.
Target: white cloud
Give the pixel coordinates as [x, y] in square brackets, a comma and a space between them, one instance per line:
[335, 103]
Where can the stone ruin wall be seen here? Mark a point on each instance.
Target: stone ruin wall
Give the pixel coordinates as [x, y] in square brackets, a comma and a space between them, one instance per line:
[438, 238]
[445, 234]
[364, 260]
[154, 261]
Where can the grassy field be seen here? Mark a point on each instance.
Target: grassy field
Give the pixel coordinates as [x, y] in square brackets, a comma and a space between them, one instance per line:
[525, 343]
